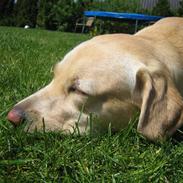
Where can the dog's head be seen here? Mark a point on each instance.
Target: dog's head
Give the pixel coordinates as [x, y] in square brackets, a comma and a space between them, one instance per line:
[87, 81]
[99, 77]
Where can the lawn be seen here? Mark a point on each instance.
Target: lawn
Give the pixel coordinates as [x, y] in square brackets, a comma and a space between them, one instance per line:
[26, 59]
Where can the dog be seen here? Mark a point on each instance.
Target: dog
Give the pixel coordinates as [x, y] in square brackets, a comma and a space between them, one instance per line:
[112, 76]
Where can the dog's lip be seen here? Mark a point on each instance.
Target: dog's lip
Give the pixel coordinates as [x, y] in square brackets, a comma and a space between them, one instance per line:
[178, 135]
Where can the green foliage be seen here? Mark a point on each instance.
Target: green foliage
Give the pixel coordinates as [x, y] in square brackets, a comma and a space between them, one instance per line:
[180, 10]
[6, 7]
[59, 14]
[41, 13]
[64, 14]
[115, 5]
[6, 12]
[49, 15]
[26, 58]
[112, 26]
[26, 12]
[162, 8]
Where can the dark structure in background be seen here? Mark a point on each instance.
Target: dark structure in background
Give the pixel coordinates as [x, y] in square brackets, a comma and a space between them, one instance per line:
[150, 4]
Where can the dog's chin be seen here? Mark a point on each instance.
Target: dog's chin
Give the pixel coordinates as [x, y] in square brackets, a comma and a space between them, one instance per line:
[33, 124]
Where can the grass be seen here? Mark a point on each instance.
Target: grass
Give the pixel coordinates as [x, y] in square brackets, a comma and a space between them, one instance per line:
[26, 57]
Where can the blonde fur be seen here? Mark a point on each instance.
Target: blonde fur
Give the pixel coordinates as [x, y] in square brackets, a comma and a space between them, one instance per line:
[113, 75]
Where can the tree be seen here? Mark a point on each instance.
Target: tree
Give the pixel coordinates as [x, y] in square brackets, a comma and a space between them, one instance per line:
[162, 8]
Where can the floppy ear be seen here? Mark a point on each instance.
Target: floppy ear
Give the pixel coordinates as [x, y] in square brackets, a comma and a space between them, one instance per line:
[160, 102]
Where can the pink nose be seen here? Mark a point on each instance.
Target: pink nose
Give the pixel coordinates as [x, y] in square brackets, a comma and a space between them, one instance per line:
[16, 115]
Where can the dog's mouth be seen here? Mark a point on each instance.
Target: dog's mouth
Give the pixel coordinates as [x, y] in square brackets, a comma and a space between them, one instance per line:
[27, 121]
[178, 135]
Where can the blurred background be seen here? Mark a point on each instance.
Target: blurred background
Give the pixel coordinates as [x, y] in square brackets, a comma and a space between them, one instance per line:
[62, 15]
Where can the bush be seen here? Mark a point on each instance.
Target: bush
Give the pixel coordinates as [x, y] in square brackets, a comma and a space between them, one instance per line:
[180, 10]
[49, 15]
[41, 13]
[162, 8]
[115, 5]
[65, 13]
[6, 13]
[26, 13]
[59, 14]
[62, 14]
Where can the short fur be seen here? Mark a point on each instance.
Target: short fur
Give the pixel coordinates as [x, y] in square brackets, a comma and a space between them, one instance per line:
[113, 75]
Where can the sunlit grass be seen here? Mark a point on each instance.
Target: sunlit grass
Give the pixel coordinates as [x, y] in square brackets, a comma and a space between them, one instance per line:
[26, 59]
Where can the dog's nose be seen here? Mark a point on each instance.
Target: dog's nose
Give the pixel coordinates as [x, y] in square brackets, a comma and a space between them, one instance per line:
[16, 115]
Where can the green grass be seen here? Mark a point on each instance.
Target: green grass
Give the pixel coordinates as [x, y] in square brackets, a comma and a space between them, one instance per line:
[26, 58]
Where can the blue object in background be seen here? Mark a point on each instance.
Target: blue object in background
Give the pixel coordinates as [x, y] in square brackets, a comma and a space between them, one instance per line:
[127, 16]
[132, 16]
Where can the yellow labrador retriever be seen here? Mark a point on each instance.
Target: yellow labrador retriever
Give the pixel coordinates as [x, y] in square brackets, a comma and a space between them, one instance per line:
[110, 76]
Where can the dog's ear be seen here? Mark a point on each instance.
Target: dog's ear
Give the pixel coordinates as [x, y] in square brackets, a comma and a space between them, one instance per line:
[160, 102]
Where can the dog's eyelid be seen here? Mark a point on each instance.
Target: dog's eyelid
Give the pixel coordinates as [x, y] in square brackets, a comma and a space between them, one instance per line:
[74, 88]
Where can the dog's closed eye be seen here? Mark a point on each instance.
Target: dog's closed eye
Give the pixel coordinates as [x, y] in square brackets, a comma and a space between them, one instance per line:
[75, 89]
[72, 89]
[82, 87]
